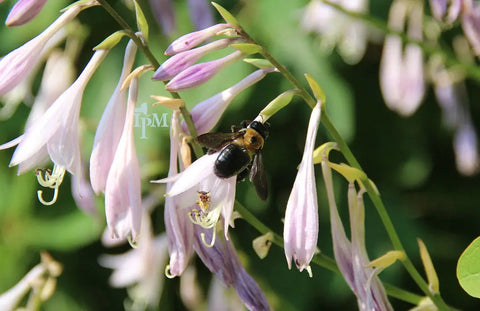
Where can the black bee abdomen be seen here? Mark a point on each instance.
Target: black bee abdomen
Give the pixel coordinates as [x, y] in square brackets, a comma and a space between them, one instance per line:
[232, 160]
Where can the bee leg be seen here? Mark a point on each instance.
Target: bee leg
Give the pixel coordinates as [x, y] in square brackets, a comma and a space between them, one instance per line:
[243, 174]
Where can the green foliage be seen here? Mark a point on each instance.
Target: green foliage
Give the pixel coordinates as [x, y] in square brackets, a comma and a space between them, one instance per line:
[468, 269]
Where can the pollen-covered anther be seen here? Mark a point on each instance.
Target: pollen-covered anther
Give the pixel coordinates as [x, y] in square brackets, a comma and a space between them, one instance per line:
[50, 179]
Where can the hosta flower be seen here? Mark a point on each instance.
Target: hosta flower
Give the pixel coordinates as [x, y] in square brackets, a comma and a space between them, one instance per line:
[15, 66]
[337, 29]
[191, 40]
[24, 11]
[301, 215]
[197, 179]
[140, 269]
[110, 127]
[181, 61]
[178, 226]
[222, 259]
[201, 14]
[163, 12]
[447, 10]
[122, 190]
[206, 114]
[465, 145]
[401, 71]
[200, 73]
[351, 256]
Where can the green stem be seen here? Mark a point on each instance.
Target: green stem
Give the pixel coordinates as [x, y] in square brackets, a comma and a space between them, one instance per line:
[321, 259]
[374, 196]
[429, 49]
[151, 58]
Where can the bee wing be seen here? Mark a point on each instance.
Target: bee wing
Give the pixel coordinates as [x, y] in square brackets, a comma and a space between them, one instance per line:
[258, 177]
[216, 141]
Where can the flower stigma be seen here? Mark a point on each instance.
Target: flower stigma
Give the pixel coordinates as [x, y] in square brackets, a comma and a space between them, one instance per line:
[204, 215]
[50, 179]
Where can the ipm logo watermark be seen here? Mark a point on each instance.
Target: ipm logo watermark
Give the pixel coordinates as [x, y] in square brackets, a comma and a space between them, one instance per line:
[143, 119]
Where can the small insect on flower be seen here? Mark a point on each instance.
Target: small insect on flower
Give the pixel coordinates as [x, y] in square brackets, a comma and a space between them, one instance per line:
[201, 215]
[240, 153]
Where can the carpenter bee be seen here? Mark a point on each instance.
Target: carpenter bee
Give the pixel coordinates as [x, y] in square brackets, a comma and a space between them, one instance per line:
[240, 153]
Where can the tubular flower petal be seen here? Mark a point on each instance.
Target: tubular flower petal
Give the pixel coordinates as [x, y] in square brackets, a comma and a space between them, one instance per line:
[110, 127]
[178, 226]
[200, 73]
[181, 61]
[58, 127]
[443, 11]
[222, 259]
[191, 40]
[206, 114]
[18, 63]
[401, 72]
[122, 190]
[24, 11]
[163, 12]
[301, 216]
[201, 14]
[466, 149]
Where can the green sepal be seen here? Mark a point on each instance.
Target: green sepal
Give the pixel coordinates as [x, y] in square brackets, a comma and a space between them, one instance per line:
[226, 15]
[316, 89]
[468, 269]
[111, 41]
[323, 149]
[142, 24]
[85, 3]
[350, 173]
[259, 62]
[247, 48]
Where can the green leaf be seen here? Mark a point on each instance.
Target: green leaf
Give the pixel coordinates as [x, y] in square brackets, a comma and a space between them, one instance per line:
[111, 41]
[226, 15]
[247, 48]
[468, 269]
[258, 62]
[141, 21]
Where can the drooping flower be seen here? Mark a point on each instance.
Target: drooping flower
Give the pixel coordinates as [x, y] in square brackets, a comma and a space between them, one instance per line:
[337, 29]
[163, 12]
[222, 259]
[351, 256]
[178, 226]
[200, 73]
[444, 10]
[15, 66]
[140, 269]
[300, 231]
[110, 127]
[24, 11]
[401, 71]
[122, 190]
[206, 114]
[465, 145]
[201, 14]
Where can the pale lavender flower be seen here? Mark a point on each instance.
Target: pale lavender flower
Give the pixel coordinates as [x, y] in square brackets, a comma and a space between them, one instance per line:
[351, 256]
[181, 61]
[200, 177]
[222, 259]
[83, 194]
[24, 11]
[444, 10]
[300, 231]
[201, 14]
[178, 226]
[401, 71]
[337, 29]
[16, 65]
[122, 190]
[58, 127]
[471, 24]
[221, 298]
[207, 113]
[200, 73]
[140, 269]
[191, 40]
[465, 145]
[110, 127]
[163, 12]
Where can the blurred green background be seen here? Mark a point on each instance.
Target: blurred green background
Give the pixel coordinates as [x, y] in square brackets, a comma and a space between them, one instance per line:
[411, 160]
